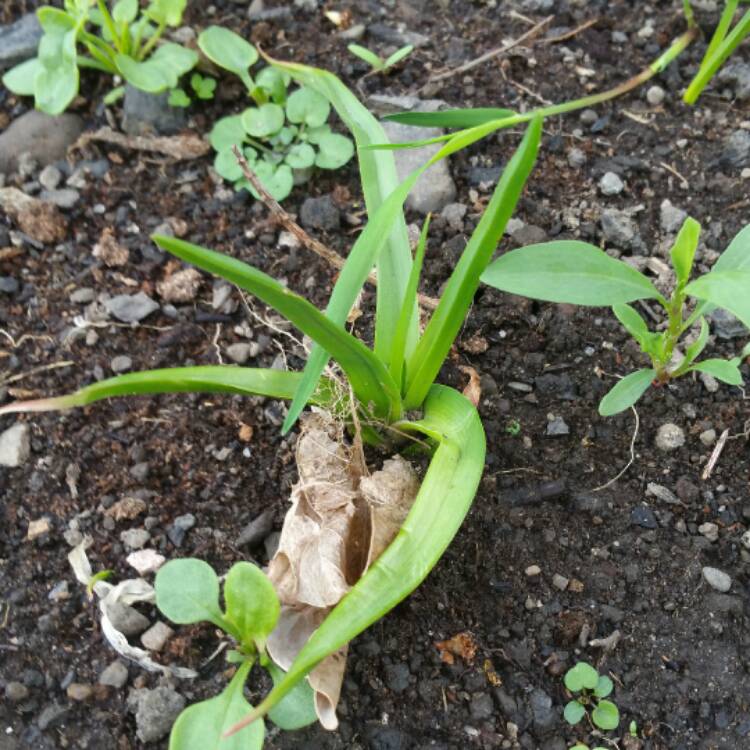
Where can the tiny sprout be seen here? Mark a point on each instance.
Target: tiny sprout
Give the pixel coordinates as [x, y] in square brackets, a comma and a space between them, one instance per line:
[513, 428]
[592, 688]
[178, 98]
[203, 86]
[102, 575]
[379, 64]
[633, 729]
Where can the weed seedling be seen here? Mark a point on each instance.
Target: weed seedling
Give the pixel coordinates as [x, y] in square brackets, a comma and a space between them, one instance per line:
[123, 42]
[380, 64]
[582, 274]
[187, 592]
[589, 690]
[282, 135]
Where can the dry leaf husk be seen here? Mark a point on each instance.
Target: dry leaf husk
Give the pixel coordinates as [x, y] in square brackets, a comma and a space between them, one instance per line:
[339, 523]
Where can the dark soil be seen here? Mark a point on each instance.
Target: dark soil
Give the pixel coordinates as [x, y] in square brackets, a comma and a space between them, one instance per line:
[682, 664]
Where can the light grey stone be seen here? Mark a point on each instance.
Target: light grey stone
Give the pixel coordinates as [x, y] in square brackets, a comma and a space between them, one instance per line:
[145, 113]
[435, 189]
[155, 711]
[655, 96]
[114, 675]
[135, 538]
[672, 218]
[670, 437]
[19, 41]
[131, 308]
[15, 445]
[717, 579]
[156, 637]
[611, 184]
[43, 137]
[738, 74]
[619, 229]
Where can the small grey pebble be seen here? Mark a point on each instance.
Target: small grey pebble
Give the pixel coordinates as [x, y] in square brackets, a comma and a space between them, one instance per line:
[611, 184]
[655, 96]
[121, 363]
[669, 437]
[717, 579]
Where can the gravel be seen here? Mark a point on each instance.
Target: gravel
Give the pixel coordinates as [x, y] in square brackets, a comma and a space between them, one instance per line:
[155, 711]
[655, 96]
[19, 40]
[114, 675]
[619, 229]
[320, 213]
[611, 184]
[717, 579]
[669, 437]
[671, 217]
[126, 619]
[131, 308]
[156, 637]
[15, 445]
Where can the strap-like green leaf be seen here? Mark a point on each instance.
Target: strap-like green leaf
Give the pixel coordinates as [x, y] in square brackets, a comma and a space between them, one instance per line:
[386, 245]
[451, 118]
[203, 379]
[637, 328]
[626, 392]
[568, 271]
[368, 376]
[443, 501]
[424, 365]
[407, 309]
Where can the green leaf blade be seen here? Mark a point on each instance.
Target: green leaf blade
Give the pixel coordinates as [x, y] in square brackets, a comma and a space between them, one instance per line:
[727, 289]
[305, 105]
[568, 271]
[446, 321]
[443, 501]
[606, 716]
[365, 54]
[582, 676]
[187, 592]
[451, 118]
[202, 725]
[251, 603]
[626, 392]
[227, 50]
[722, 369]
[20, 79]
[573, 712]
[369, 377]
[603, 687]
[297, 708]
[683, 250]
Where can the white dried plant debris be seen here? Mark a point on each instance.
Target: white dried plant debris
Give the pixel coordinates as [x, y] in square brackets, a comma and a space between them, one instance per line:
[340, 521]
[109, 250]
[126, 592]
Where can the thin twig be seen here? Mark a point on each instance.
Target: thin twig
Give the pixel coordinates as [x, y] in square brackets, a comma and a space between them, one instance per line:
[492, 54]
[570, 34]
[34, 371]
[715, 455]
[632, 455]
[330, 256]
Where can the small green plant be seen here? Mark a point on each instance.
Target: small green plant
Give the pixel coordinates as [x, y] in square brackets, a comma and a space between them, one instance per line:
[513, 428]
[590, 690]
[187, 592]
[724, 42]
[380, 64]
[633, 729]
[581, 746]
[581, 274]
[282, 135]
[202, 86]
[124, 44]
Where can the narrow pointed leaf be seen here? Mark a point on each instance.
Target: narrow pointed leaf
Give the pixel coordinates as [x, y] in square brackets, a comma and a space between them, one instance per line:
[451, 118]
[727, 289]
[683, 250]
[398, 55]
[424, 365]
[444, 499]
[206, 379]
[568, 271]
[626, 392]
[201, 726]
[370, 379]
[633, 323]
[407, 308]
[699, 344]
[367, 55]
[725, 370]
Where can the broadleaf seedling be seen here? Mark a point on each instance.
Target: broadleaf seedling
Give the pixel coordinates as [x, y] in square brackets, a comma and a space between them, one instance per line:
[581, 274]
[282, 135]
[124, 43]
[187, 592]
[380, 64]
[590, 690]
